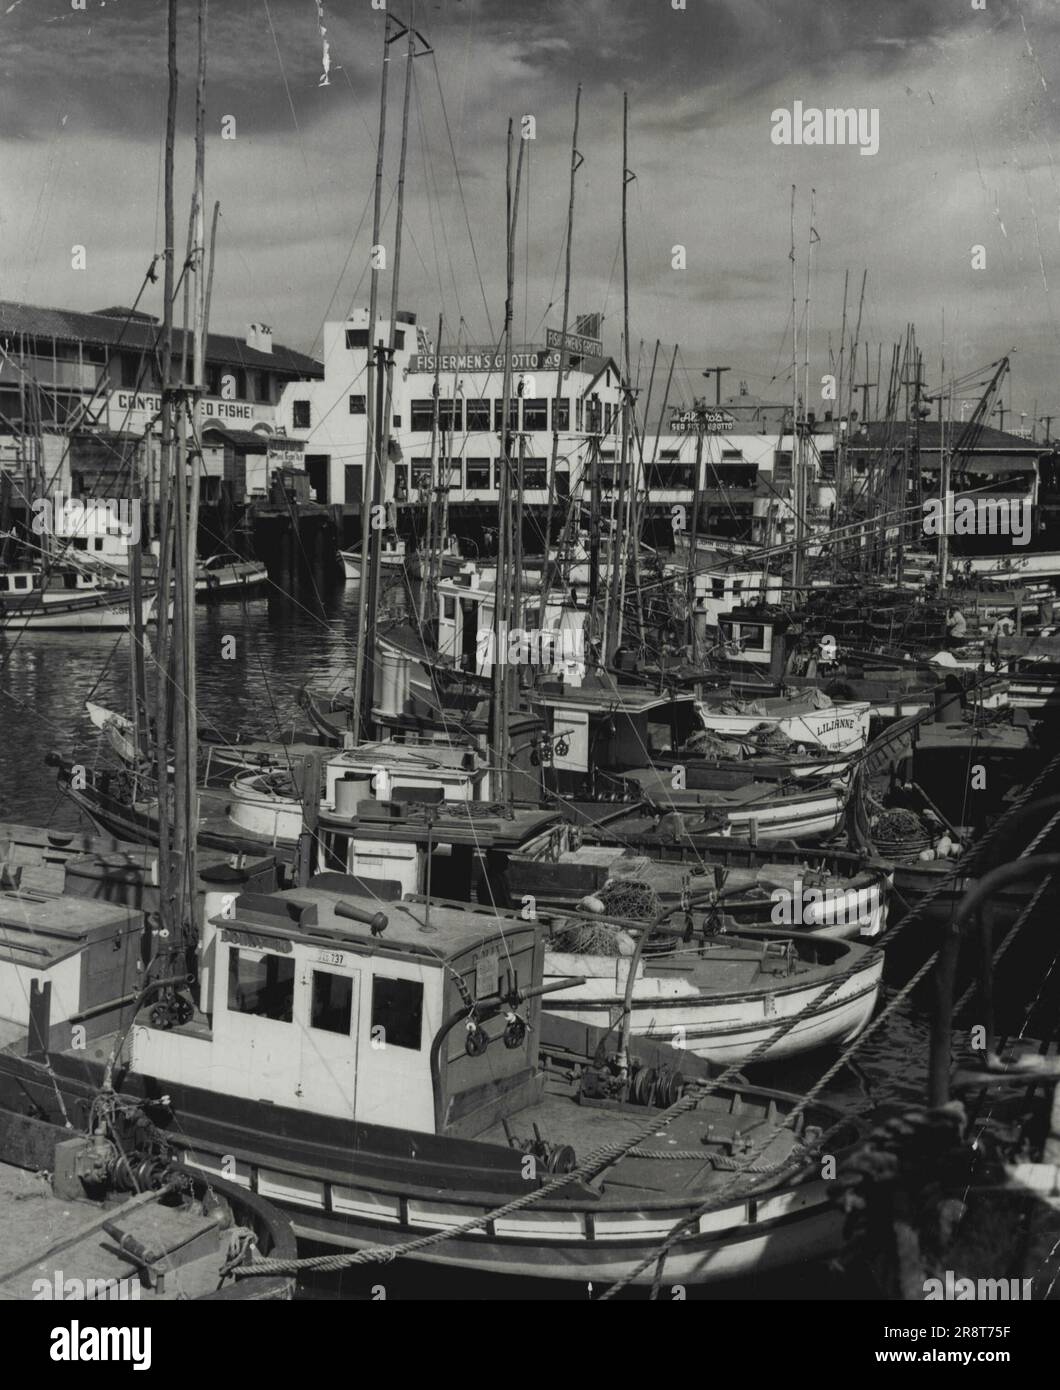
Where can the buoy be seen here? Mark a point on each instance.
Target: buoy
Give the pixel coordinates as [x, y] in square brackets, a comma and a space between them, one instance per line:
[926, 855]
[591, 904]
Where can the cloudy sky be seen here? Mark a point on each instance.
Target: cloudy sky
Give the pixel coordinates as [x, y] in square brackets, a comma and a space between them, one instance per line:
[967, 126]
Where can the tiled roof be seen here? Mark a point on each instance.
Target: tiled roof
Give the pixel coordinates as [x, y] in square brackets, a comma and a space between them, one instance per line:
[106, 330]
[987, 438]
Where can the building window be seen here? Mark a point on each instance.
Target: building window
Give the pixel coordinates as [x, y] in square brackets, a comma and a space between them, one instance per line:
[302, 415]
[535, 415]
[450, 415]
[593, 416]
[535, 474]
[261, 983]
[357, 337]
[478, 415]
[732, 455]
[331, 1006]
[782, 465]
[422, 416]
[456, 473]
[421, 473]
[717, 587]
[397, 422]
[448, 607]
[561, 414]
[399, 338]
[478, 474]
[358, 405]
[670, 454]
[262, 387]
[513, 415]
[397, 1008]
[609, 415]
[579, 411]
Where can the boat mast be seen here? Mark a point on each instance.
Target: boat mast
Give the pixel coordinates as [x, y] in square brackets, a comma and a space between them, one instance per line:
[427, 586]
[561, 370]
[499, 739]
[361, 705]
[796, 461]
[622, 538]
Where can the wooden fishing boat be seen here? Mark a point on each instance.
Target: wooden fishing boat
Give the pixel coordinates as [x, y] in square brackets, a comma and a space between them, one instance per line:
[470, 1097]
[722, 996]
[801, 715]
[225, 575]
[67, 600]
[721, 884]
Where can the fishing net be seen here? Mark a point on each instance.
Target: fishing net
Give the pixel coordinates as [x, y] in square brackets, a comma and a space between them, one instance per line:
[591, 939]
[631, 899]
[771, 736]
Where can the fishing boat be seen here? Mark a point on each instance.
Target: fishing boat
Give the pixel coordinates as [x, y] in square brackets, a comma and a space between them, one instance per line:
[721, 997]
[381, 1072]
[65, 599]
[225, 574]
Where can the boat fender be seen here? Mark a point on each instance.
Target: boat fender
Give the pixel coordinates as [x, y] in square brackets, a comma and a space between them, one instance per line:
[592, 904]
[926, 855]
[378, 921]
[476, 1041]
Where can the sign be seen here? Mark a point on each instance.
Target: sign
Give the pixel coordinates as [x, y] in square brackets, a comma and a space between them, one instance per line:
[487, 972]
[134, 409]
[710, 420]
[577, 344]
[536, 359]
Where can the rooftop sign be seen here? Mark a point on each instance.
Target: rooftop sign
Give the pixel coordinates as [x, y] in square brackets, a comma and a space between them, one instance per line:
[710, 420]
[483, 360]
[577, 344]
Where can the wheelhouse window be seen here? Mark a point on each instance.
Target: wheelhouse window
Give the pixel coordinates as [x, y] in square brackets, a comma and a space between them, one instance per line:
[478, 415]
[331, 1004]
[753, 637]
[397, 1008]
[261, 983]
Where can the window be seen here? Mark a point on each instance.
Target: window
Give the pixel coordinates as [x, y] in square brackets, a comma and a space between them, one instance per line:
[422, 416]
[782, 466]
[609, 415]
[397, 422]
[79, 543]
[579, 411]
[535, 415]
[450, 415]
[302, 415]
[670, 454]
[331, 1005]
[478, 415]
[561, 414]
[261, 983]
[448, 606]
[399, 338]
[397, 1008]
[21, 581]
[478, 473]
[535, 474]
[421, 473]
[752, 637]
[732, 455]
[717, 587]
[262, 387]
[130, 370]
[455, 476]
[357, 337]
[358, 405]
[513, 415]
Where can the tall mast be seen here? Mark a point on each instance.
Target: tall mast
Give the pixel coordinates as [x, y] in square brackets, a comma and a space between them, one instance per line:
[167, 886]
[362, 703]
[622, 538]
[427, 584]
[796, 461]
[499, 740]
[575, 164]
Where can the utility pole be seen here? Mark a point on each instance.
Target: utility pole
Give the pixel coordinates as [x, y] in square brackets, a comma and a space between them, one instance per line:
[1000, 409]
[1047, 421]
[716, 372]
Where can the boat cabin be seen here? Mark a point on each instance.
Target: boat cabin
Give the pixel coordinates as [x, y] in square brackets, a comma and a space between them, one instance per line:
[597, 733]
[337, 1004]
[753, 642]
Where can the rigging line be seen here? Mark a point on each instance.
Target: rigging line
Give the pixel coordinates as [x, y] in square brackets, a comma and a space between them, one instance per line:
[342, 275]
[460, 189]
[294, 117]
[433, 202]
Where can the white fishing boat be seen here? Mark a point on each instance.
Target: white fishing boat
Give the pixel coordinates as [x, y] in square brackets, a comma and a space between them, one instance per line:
[807, 716]
[721, 998]
[67, 600]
